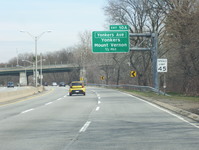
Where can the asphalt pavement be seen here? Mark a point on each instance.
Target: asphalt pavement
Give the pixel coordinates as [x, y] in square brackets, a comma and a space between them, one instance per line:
[103, 119]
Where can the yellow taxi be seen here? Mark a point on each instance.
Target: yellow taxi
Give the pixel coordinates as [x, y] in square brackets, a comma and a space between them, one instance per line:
[77, 87]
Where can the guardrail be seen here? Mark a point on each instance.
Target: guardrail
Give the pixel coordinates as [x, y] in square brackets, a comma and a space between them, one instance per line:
[131, 87]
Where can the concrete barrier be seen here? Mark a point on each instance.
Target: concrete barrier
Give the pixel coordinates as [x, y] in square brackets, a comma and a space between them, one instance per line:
[11, 95]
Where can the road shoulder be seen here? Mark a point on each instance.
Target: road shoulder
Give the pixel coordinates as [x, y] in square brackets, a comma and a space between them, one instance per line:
[182, 107]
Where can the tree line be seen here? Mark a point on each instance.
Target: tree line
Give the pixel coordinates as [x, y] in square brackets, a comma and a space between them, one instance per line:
[176, 23]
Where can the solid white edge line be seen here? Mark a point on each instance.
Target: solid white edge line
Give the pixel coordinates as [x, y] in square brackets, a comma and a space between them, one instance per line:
[23, 112]
[167, 111]
[86, 125]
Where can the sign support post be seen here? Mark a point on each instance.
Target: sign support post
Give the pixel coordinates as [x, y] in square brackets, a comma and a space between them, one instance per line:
[153, 49]
[154, 60]
[164, 85]
[162, 67]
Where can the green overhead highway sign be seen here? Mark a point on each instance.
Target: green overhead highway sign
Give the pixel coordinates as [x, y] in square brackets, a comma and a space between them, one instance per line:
[119, 27]
[110, 41]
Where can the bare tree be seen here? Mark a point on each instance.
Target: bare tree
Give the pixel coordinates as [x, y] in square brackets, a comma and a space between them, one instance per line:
[119, 60]
[182, 38]
[142, 16]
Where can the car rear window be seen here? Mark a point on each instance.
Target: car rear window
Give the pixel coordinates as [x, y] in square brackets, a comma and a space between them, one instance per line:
[76, 84]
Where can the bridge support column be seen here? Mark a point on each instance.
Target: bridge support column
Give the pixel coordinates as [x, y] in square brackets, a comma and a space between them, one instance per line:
[23, 78]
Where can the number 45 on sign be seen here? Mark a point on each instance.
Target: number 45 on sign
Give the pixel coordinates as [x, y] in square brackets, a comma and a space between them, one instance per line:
[162, 65]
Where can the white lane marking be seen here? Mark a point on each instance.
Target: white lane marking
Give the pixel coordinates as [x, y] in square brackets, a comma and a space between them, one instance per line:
[167, 111]
[48, 103]
[59, 99]
[23, 112]
[65, 95]
[97, 108]
[98, 97]
[86, 125]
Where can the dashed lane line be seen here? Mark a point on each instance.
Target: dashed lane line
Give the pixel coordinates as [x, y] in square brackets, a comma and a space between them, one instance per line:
[85, 126]
[48, 103]
[59, 99]
[23, 112]
[97, 109]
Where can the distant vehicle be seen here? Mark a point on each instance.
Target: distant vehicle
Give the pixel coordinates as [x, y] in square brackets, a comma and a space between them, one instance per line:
[62, 84]
[45, 84]
[77, 87]
[54, 83]
[10, 84]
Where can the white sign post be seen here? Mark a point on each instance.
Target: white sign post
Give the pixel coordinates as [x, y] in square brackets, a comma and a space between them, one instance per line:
[162, 65]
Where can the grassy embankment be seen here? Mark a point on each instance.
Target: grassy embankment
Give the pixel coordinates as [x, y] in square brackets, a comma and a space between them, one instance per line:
[172, 96]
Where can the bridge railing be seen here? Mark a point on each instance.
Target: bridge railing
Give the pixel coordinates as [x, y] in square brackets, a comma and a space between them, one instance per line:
[43, 66]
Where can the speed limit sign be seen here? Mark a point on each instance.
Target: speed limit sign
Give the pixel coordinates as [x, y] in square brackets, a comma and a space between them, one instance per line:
[162, 65]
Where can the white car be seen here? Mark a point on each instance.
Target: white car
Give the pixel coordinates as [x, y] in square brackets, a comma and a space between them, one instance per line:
[54, 83]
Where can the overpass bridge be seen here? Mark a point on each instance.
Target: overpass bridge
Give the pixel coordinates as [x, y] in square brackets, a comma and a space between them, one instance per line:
[23, 72]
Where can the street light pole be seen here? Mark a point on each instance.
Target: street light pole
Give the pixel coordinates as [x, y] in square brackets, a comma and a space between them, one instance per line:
[36, 62]
[36, 39]
[41, 69]
[41, 73]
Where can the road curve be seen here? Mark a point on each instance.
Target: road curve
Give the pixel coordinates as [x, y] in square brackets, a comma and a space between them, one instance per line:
[103, 119]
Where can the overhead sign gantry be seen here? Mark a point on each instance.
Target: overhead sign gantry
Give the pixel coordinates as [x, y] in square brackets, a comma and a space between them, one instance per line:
[117, 41]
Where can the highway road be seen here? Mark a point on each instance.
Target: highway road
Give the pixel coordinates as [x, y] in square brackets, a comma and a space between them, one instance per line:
[104, 119]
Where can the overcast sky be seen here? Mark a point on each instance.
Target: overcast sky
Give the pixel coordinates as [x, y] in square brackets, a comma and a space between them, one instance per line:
[65, 18]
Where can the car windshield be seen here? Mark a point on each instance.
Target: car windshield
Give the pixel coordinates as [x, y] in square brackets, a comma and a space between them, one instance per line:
[99, 75]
